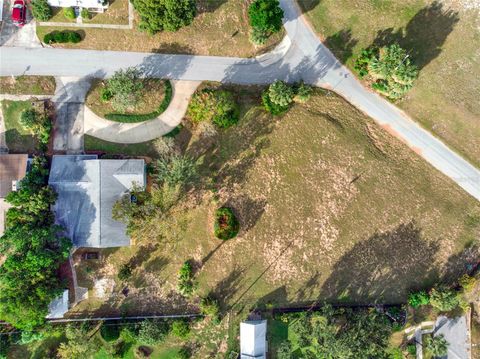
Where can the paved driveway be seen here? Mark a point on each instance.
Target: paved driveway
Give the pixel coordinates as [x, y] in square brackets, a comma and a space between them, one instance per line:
[11, 35]
[456, 333]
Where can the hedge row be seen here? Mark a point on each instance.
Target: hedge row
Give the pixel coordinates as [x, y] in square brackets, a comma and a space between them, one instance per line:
[62, 37]
[130, 118]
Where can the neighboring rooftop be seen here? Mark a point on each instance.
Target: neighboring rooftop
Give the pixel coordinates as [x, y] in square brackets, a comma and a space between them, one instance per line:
[87, 190]
[253, 339]
[12, 169]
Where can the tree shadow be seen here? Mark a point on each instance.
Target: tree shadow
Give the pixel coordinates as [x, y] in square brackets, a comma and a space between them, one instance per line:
[464, 262]
[143, 255]
[342, 43]
[226, 289]
[156, 264]
[248, 210]
[173, 48]
[308, 5]
[165, 66]
[424, 35]
[205, 6]
[383, 268]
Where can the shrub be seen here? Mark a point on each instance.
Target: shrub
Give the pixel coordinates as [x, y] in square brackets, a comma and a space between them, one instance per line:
[185, 279]
[106, 95]
[412, 349]
[266, 15]
[226, 225]
[125, 86]
[418, 299]
[85, 14]
[169, 15]
[280, 93]
[303, 93]
[41, 10]
[217, 106]
[125, 272]
[444, 299]
[110, 333]
[152, 331]
[284, 351]
[176, 170]
[180, 328]
[37, 124]
[270, 107]
[210, 308]
[437, 346]
[69, 13]
[258, 36]
[62, 37]
[48, 38]
[467, 282]
[73, 37]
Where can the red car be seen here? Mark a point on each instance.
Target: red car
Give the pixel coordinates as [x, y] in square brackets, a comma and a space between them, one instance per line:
[19, 13]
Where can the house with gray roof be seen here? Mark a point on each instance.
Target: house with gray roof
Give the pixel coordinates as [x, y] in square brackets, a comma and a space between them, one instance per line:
[87, 189]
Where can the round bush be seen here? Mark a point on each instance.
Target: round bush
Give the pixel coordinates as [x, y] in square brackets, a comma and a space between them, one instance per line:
[85, 14]
[48, 38]
[180, 328]
[110, 333]
[226, 224]
[271, 107]
[106, 95]
[73, 37]
[60, 37]
[217, 106]
[69, 13]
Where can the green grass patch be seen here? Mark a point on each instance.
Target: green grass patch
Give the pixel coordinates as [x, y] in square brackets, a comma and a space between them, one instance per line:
[94, 144]
[27, 85]
[18, 139]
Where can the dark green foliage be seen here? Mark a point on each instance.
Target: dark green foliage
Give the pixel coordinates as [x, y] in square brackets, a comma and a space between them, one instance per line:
[38, 124]
[412, 349]
[85, 14]
[79, 344]
[280, 93]
[107, 95]
[303, 92]
[153, 331]
[109, 332]
[361, 64]
[444, 299]
[266, 15]
[185, 279]
[125, 272]
[342, 333]
[418, 299]
[61, 37]
[176, 170]
[125, 87]
[41, 10]
[180, 329]
[284, 351]
[210, 308]
[169, 15]
[258, 36]
[279, 96]
[272, 108]
[69, 13]
[217, 106]
[226, 225]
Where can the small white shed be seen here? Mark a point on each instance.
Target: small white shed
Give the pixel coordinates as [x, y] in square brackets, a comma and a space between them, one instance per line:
[58, 307]
[253, 339]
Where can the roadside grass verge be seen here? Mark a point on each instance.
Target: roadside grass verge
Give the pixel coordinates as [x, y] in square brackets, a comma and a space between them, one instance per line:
[18, 139]
[27, 85]
[442, 40]
[220, 28]
[154, 99]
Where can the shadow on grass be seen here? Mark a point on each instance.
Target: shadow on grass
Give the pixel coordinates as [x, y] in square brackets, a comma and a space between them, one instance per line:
[204, 6]
[343, 43]
[308, 5]
[383, 268]
[424, 35]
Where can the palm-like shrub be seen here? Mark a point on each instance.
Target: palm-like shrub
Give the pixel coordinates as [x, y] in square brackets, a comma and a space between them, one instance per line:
[436, 346]
[217, 106]
[185, 279]
[226, 224]
[444, 299]
[280, 93]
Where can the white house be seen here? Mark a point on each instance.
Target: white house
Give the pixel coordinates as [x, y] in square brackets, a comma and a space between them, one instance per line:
[91, 5]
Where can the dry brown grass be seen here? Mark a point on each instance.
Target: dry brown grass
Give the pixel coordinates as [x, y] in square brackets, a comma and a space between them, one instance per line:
[27, 85]
[324, 213]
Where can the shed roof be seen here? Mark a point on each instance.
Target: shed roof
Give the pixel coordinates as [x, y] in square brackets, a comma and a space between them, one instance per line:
[87, 189]
[12, 168]
[253, 339]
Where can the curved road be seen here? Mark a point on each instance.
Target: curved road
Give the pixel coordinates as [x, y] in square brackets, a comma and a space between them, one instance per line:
[301, 56]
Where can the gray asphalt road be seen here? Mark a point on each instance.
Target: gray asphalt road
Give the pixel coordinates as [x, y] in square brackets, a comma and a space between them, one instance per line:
[305, 59]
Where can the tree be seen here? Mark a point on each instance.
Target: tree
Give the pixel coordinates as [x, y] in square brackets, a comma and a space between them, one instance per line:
[176, 170]
[169, 15]
[37, 124]
[436, 346]
[217, 106]
[79, 344]
[266, 16]
[444, 299]
[41, 10]
[125, 87]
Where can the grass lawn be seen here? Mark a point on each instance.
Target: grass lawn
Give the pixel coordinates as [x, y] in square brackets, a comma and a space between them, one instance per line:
[27, 85]
[58, 16]
[153, 100]
[443, 41]
[220, 28]
[117, 13]
[18, 139]
[93, 144]
[331, 207]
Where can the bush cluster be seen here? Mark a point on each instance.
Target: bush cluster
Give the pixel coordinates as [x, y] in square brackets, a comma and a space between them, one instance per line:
[279, 96]
[38, 124]
[61, 37]
[444, 299]
[217, 106]
[226, 225]
[210, 308]
[265, 19]
[185, 279]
